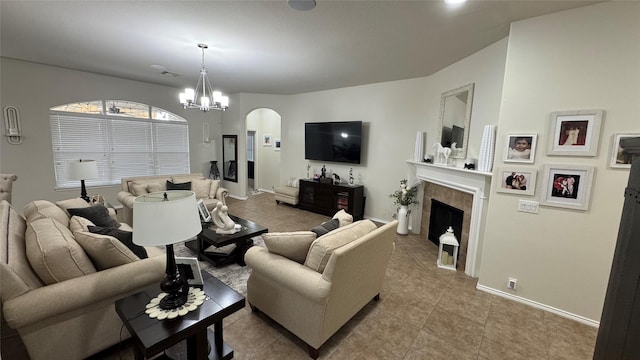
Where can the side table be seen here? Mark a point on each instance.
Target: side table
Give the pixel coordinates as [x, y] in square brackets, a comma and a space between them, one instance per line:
[152, 336]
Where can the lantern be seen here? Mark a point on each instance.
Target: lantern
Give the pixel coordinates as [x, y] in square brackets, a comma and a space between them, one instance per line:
[448, 250]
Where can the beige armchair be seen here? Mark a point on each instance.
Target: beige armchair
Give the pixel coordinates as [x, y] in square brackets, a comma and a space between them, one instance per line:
[314, 304]
[6, 184]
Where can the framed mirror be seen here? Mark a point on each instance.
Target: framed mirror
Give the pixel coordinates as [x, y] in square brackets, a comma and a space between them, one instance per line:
[230, 157]
[455, 118]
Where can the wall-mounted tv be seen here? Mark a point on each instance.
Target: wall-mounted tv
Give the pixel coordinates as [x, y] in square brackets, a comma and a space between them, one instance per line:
[333, 141]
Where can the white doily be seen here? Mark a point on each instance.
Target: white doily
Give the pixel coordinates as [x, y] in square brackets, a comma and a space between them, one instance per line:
[195, 298]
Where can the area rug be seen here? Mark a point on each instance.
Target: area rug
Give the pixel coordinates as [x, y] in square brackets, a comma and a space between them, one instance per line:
[234, 275]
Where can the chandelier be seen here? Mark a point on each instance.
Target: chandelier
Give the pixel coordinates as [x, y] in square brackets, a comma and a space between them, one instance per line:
[210, 100]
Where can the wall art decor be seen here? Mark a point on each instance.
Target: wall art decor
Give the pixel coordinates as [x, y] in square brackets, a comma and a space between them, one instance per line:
[567, 186]
[520, 148]
[517, 180]
[277, 144]
[574, 133]
[267, 140]
[620, 158]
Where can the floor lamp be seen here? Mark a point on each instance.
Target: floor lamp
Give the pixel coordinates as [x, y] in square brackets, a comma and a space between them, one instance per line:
[166, 218]
[82, 170]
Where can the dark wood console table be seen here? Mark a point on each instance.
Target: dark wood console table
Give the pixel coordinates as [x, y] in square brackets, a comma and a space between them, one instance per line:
[327, 199]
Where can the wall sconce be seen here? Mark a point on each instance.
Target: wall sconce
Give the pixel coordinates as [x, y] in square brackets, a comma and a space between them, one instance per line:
[13, 129]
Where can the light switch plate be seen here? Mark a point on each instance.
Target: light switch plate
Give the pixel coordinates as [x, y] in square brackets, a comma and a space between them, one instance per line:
[528, 206]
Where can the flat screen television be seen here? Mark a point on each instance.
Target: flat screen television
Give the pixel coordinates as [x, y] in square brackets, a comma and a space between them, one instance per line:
[333, 141]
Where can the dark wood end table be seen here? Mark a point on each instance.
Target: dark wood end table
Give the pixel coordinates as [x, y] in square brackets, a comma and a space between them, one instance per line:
[242, 240]
[152, 336]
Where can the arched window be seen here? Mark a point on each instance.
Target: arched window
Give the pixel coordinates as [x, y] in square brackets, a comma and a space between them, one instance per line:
[125, 138]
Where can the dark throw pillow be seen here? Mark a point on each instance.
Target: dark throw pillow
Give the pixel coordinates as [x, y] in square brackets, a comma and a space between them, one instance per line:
[178, 186]
[125, 237]
[326, 226]
[97, 214]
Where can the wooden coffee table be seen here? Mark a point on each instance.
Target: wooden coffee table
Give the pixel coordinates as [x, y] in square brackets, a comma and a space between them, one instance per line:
[152, 336]
[242, 239]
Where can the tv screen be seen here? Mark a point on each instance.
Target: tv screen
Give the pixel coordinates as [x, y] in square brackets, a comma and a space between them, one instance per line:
[333, 141]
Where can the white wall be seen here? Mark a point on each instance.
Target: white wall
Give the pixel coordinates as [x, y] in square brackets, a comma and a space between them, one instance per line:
[586, 58]
[267, 159]
[34, 88]
[392, 113]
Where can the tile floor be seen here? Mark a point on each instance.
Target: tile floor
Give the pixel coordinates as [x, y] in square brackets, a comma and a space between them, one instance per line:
[424, 313]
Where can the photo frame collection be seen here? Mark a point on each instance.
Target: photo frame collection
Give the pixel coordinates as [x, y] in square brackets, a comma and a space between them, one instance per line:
[569, 134]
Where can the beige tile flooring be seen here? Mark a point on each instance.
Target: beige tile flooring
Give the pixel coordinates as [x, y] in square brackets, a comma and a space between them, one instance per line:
[424, 312]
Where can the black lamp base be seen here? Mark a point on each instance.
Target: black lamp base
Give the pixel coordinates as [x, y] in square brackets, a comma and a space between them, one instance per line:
[83, 191]
[174, 284]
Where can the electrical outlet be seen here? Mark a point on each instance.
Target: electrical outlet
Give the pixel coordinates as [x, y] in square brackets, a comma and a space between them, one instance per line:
[512, 283]
[528, 206]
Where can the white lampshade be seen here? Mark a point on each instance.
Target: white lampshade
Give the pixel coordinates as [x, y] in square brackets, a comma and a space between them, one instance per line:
[82, 170]
[163, 222]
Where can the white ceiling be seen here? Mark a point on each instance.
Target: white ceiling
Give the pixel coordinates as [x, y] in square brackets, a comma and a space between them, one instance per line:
[259, 46]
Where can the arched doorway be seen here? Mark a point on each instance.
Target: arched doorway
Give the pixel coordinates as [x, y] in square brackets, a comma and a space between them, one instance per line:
[263, 150]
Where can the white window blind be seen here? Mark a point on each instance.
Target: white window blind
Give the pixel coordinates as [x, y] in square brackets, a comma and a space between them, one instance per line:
[121, 146]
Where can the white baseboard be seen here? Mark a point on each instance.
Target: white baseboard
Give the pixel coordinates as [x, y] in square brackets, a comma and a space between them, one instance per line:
[238, 197]
[538, 305]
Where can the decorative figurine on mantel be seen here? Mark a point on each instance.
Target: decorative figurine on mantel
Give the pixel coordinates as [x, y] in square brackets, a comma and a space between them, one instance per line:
[442, 153]
[308, 168]
[324, 172]
[336, 178]
[351, 176]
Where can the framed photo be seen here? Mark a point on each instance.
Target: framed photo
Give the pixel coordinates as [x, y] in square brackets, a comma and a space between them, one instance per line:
[205, 215]
[277, 144]
[574, 133]
[517, 180]
[619, 158]
[520, 148]
[267, 140]
[190, 269]
[567, 186]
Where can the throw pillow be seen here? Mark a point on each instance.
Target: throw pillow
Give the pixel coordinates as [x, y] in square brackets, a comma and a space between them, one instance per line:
[292, 245]
[77, 224]
[344, 217]
[53, 253]
[326, 227]
[139, 188]
[214, 189]
[105, 251]
[97, 214]
[178, 186]
[155, 187]
[43, 209]
[201, 188]
[125, 237]
[72, 203]
[321, 249]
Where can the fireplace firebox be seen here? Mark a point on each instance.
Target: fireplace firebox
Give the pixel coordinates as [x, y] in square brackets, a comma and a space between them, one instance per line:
[442, 216]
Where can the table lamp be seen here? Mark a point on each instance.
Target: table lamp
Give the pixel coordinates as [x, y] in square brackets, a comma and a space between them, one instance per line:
[166, 218]
[82, 170]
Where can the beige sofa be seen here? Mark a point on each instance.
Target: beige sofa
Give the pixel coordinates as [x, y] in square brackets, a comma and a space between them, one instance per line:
[6, 184]
[314, 296]
[208, 190]
[58, 298]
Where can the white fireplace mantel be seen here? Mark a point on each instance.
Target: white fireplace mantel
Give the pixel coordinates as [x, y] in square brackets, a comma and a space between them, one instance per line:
[469, 181]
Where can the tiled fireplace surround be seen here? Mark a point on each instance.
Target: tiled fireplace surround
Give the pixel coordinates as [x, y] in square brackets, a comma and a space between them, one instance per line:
[467, 190]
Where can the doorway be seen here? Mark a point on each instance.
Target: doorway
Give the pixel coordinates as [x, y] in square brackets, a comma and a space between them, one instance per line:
[251, 146]
[263, 150]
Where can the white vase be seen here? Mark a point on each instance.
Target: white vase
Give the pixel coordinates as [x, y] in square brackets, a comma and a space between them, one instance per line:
[403, 220]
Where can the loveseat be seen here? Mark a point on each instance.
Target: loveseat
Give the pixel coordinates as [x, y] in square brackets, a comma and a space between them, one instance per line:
[209, 191]
[313, 286]
[59, 295]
